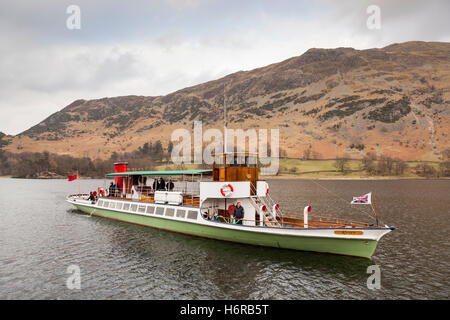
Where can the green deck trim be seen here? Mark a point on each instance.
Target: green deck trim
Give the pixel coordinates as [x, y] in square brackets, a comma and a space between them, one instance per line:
[352, 247]
[158, 173]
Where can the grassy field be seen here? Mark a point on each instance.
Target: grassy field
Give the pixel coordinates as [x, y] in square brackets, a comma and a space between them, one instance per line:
[321, 169]
[287, 165]
[318, 169]
[172, 166]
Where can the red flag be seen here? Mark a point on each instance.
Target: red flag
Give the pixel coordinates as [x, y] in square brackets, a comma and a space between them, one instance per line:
[71, 178]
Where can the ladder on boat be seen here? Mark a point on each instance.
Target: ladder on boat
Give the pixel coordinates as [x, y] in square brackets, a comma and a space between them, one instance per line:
[273, 213]
[269, 217]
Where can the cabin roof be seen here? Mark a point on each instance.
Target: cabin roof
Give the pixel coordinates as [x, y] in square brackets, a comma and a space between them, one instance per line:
[158, 173]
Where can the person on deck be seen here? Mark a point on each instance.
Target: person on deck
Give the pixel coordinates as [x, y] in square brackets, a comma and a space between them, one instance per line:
[162, 184]
[238, 214]
[170, 185]
[116, 190]
[111, 189]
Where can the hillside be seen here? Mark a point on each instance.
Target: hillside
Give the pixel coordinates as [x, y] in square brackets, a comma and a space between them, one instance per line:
[326, 103]
[3, 139]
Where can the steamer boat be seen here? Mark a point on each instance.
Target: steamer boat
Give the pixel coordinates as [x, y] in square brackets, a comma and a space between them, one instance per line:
[201, 203]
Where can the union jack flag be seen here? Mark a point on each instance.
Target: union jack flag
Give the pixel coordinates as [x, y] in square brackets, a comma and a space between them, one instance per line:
[365, 199]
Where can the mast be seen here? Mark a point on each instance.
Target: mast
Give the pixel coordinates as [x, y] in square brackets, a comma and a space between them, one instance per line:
[224, 120]
[374, 207]
[78, 180]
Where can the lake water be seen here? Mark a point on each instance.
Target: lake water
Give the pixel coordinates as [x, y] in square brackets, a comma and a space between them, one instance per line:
[41, 236]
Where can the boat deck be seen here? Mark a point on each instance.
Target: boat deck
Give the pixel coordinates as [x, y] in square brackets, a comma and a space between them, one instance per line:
[193, 201]
[323, 222]
[287, 221]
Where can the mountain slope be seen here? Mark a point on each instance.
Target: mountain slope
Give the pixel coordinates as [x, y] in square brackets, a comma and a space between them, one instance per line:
[326, 103]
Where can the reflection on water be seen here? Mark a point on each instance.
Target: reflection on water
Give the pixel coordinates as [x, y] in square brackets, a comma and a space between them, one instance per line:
[42, 236]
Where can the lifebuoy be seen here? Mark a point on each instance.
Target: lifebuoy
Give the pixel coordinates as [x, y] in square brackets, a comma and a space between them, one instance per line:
[100, 191]
[226, 190]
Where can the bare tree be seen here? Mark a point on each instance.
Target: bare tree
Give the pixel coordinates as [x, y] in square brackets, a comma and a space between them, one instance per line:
[368, 164]
[444, 166]
[341, 165]
[385, 166]
[425, 170]
[399, 167]
[307, 153]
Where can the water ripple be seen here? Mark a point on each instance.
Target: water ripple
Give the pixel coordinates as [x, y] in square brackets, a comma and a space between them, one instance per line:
[41, 237]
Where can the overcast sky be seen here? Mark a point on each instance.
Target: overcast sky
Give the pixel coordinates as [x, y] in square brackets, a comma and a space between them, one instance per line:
[154, 47]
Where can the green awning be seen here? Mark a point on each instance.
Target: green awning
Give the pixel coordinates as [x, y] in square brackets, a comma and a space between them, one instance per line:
[158, 173]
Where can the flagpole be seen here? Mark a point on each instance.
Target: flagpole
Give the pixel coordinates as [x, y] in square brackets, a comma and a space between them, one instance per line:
[374, 207]
[78, 179]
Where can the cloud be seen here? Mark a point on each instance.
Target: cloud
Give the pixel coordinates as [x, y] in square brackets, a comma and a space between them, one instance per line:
[182, 4]
[159, 46]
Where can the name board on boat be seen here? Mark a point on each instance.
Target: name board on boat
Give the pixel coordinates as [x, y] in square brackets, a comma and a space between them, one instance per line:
[349, 233]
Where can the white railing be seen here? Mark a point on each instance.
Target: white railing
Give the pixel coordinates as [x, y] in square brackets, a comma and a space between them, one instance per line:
[213, 211]
[184, 188]
[268, 202]
[266, 216]
[79, 195]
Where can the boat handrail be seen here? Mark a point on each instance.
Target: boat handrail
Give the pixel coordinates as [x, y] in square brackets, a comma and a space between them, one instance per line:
[184, 190]
[228, 219]
[78, 195]
[268, 202]
[337, 220]
[310, 222]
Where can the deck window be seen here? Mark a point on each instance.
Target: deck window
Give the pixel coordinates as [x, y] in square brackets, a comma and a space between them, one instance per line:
[100, 203]
[106, 204]
[133, 207]
[192, 214]
[160, 210]
[112, 204]
[150, 209]
[141, 209]
[181, 213]
[170, 212]
[119, 205]
[126, 206]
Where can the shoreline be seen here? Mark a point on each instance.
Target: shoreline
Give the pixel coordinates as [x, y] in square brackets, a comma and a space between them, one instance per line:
[47, 178]
[288, 177]
[279, 177]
